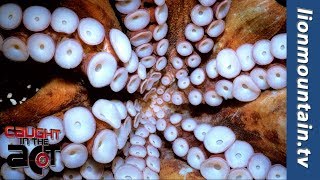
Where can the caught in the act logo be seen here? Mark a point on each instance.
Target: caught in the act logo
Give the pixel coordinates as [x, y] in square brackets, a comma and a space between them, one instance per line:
[41, 156]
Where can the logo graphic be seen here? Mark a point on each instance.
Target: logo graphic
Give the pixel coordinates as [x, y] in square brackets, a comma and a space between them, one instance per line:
[41, 156]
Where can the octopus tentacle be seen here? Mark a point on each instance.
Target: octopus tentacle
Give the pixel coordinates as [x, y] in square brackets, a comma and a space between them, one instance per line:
[176, 56]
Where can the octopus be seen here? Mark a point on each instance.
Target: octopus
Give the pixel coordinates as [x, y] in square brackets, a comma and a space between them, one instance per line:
[163, 89]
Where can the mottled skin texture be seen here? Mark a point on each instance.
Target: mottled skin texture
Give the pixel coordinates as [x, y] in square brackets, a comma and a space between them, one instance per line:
[100, 10]
[56, 96]
[251, 20]
[179, 17]
[59, 95]
[262, 122]
[247, 22]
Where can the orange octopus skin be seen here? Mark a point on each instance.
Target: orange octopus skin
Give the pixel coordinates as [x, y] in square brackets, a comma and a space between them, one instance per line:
[262, 122]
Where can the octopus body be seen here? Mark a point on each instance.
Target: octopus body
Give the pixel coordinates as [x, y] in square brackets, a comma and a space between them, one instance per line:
[196, 88]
